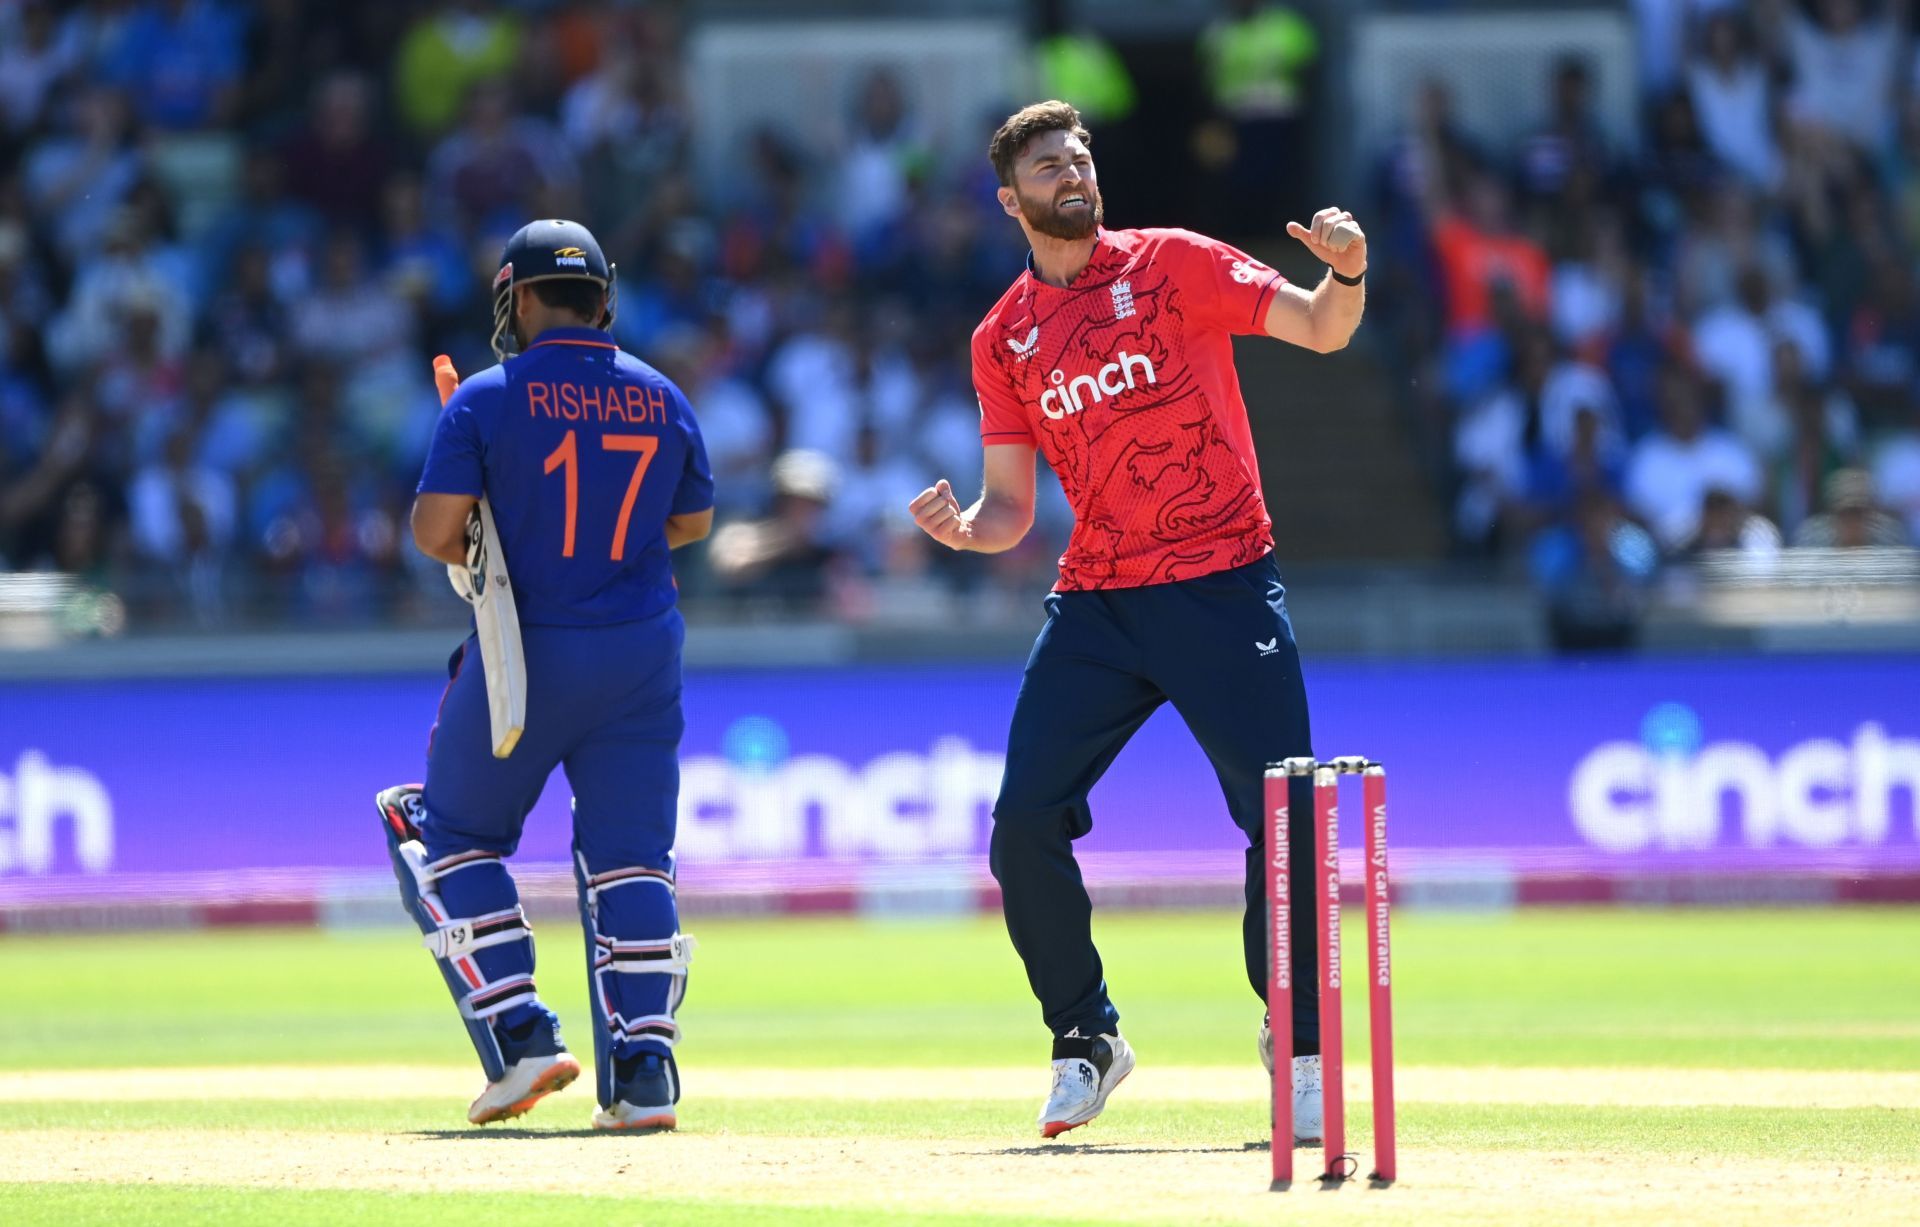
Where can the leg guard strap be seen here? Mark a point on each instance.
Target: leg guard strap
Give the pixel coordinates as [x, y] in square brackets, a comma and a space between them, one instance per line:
[459, 937]
[636, 962]
[599, 882]
[668, 956]
[659, 1027]
[484, 988]
[498, 996]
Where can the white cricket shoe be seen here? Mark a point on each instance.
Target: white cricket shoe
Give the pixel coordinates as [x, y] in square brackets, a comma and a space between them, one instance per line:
[1309, 1104]
[623, 1115]
[1081, 1085]
[645, 1090]
[526, 1082]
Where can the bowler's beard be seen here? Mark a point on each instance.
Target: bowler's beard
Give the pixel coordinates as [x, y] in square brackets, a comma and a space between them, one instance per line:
[1047, 218]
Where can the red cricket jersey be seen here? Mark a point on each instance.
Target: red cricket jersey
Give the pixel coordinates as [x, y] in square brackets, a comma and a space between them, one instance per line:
[1125, 381]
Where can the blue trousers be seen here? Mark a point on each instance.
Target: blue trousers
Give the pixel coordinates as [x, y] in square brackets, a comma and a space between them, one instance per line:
[603, 704]
[1220, 649]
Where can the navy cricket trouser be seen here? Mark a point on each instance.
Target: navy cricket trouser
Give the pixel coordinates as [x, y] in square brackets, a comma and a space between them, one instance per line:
[603, 703]
[1220, 649]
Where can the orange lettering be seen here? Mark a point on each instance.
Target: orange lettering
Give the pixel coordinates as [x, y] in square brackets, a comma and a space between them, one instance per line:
[636, 404]
[568, 455]
[646, 446]
[590, 403]
[539, 399]
[569, 402]
[657, 401]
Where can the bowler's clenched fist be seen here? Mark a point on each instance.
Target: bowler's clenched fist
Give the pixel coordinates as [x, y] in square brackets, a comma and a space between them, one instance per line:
[938, 514]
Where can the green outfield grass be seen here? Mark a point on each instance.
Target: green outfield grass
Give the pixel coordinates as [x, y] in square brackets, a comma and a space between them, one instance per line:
[1800, 989]
[1653, 996]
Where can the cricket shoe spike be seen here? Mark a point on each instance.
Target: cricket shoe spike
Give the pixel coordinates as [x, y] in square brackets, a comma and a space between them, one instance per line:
[645, 1089]
[1085, 1072]
[1309, 1103]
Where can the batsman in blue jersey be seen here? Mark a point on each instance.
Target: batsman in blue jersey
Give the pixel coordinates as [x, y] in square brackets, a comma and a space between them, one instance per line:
[594, 470]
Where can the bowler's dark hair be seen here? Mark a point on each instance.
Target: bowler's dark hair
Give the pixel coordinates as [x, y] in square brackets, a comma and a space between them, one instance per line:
[1025, 124]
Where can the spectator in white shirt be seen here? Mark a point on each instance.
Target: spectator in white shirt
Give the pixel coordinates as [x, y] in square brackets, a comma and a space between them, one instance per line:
[812, 375]
[1734, 342]
[1728, 524]
[838, 380]
[1843, 70]
[1672, 469]
[349, 317]
[1765, 422]
[1725, 234]
[876, 166]
[1589, 285]
[1728, 86]
[734, 419]
[181, 509]
[34, 55]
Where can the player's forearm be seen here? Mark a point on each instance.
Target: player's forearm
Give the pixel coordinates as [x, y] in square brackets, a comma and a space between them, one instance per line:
[440, 546]
[686, 534]
[439, 523]
[1335, 311]
[996, 525]
[689, 527]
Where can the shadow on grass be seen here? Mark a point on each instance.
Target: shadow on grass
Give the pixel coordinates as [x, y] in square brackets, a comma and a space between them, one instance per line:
[1043, 1149]
[1349, 1169]
[482, 1133]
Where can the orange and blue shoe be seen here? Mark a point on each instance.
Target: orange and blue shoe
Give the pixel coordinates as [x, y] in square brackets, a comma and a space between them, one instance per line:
[538, 1064]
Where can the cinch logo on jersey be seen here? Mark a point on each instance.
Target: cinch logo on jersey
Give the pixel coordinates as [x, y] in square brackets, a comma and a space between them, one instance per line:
[1125, 373]
[572, 257]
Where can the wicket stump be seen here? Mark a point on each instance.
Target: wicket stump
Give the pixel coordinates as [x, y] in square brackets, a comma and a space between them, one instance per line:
[1326, 889]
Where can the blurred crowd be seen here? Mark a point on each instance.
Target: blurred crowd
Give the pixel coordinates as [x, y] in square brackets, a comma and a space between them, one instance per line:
[228, 251]
[232, 235]
[1705, 339]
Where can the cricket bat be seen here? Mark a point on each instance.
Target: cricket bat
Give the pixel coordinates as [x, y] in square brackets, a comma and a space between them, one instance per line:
[483, 584]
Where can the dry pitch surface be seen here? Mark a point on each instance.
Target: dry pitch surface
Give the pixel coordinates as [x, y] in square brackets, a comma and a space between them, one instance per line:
[1105, 1172]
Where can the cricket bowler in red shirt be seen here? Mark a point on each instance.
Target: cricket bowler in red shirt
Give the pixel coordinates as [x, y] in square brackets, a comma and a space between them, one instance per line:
[1112, 353]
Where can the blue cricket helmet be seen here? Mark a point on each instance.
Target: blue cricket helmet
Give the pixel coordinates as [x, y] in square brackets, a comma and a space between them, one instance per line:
[544, 251]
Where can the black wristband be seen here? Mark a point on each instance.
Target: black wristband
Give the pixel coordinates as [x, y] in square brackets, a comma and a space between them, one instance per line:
[1335, 274]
